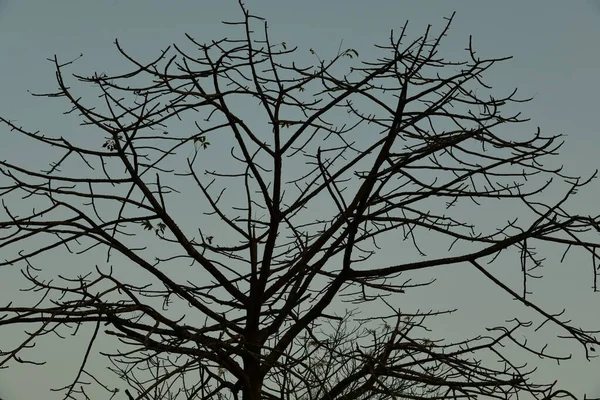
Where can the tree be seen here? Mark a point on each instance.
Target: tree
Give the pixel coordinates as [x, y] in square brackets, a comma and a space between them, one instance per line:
[228, 279]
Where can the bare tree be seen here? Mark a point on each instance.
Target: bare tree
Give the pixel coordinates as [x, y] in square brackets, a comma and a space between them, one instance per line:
[239, 200]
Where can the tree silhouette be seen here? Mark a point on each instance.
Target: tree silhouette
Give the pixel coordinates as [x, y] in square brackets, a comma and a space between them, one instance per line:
[222, 209]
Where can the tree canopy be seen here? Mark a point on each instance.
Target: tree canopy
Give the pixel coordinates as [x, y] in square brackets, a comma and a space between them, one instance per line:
[222, 212]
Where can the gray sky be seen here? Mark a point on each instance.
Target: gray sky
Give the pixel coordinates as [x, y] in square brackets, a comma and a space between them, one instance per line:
[556, 58]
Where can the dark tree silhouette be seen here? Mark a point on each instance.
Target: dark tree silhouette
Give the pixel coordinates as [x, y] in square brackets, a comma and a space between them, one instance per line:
[239, 200]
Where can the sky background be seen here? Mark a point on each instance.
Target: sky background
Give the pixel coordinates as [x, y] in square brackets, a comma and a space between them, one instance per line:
[556, 59]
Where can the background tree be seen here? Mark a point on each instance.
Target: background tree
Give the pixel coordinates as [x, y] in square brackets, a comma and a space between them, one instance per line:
[228, 279]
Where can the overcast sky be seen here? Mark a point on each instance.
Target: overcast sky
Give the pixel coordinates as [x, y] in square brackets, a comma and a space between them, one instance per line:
[556, 59]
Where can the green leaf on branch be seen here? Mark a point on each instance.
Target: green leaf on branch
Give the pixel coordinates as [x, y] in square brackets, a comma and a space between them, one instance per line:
[202, 140]
[147, 225]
